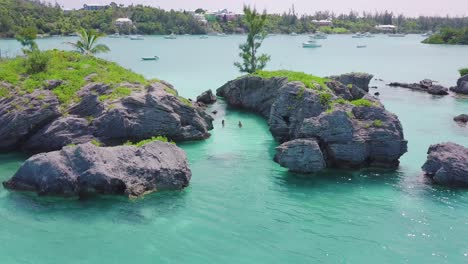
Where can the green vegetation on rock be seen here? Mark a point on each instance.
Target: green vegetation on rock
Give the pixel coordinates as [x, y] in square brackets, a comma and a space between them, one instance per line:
[377, 123]
[463, 72]
[96, 143]
[310, 81]
[116, 93]
[146, 141]
[71, 68]
[451, 36]
[362, 102]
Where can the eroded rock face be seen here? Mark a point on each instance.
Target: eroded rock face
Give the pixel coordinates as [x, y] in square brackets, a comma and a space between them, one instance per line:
[207, 97]
[447, 164]
[87, 169]
[360, 80]
[301, 155]
[37, 122]
[350, 135]
[22, 115]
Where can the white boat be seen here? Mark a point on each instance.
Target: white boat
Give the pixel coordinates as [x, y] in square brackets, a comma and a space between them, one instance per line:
[115, 35]
[293, 34]
[368, 35]
[361, 46]
[359, 35]
[318, 35]
[203, 37]
[171, 36]
[137, 37]
[154, 58]
[311, 44]
[396, 35]
[427, 34]
[221, 35]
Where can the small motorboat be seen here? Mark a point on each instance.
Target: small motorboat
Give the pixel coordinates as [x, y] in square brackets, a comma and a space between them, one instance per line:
[171, 36]
[368, 35]
[137, 37]
[154, 58]
[361, 46]
[203, 37]
[223, 35]
[115, 35]
[359, 35]
[318, 35]
[294, 34]
[311, 44]
[396, 35]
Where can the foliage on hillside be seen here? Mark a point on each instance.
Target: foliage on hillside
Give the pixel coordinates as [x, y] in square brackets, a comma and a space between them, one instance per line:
[51, 19]
[449, 36]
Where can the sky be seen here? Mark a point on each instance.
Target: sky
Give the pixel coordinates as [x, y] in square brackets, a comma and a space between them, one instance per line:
[406, 7]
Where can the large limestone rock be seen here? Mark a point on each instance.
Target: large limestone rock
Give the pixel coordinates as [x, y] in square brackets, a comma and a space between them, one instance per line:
[207, 97]
[350, 134]
[360, 80]
[462, 85]
[301, 155]
[87, 169]
[38, 122]
[447, 164]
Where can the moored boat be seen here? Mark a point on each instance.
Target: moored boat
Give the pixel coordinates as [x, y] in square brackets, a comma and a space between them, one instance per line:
[171, 36]
[358, 35]
[137, 37]
[397, 35]
[311, 44]
[361, 46]
[318, 35]
[150, 58]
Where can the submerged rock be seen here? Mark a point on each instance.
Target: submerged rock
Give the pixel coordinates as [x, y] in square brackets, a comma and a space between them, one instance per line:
[461, 118]
[301, 155]
[38, 122]
[87, 169]
[447, 164]
[352, 133]
[207, 97]
[424, 85]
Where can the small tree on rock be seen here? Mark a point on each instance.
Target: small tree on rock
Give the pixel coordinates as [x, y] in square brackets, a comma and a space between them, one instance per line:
[87, 44]
[256, 34]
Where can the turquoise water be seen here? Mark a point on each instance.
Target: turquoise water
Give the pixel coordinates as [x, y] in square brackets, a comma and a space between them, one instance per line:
[241, 207]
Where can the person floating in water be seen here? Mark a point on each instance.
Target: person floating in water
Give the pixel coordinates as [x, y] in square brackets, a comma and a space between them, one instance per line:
[240, 124]
[222, 122]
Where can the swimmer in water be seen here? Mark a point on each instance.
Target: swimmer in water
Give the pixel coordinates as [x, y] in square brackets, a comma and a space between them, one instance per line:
[240, 124]
[222, 122]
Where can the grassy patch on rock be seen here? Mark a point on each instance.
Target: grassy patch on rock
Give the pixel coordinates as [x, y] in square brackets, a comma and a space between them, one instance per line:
[147, 141]
[362, 102]
[310, 81]
[71, 68]
[463, 71]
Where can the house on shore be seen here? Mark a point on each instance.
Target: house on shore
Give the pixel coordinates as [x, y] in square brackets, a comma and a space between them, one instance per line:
[386, 28]
[123, 22]
[323, 23]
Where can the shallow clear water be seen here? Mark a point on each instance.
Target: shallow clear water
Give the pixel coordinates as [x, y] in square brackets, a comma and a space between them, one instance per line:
[241, 207]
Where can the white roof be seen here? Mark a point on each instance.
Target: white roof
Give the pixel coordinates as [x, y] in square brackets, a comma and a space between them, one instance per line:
[123, 20]
[385, 26]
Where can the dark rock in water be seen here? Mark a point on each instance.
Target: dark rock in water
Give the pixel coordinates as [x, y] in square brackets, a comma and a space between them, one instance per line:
[301, 155]
[462, 86]
[87, 169]
[207, 97]
[374, 87]
[34, 122]
[447, 164]
[360, 80]
[463, 118]
[349, 135]
[377, 94]
[437, 90]
[424, 85]
[214, 112]
[52, 84]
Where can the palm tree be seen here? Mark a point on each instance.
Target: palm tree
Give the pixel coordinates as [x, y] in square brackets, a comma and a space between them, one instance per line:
[87, 43]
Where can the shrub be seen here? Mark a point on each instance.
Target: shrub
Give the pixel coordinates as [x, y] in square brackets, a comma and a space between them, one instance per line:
[377, 123]
[340, 101]
[362, 102]
[36, 62]
[325, 99]
[96, 143]
[463, 71]
[310, 81]
[117, 93]
[146, 141]
[4, 92]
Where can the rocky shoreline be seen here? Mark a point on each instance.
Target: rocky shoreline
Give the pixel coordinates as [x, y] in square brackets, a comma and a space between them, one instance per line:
[339, 122]
[430, 87]
[37, 122]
